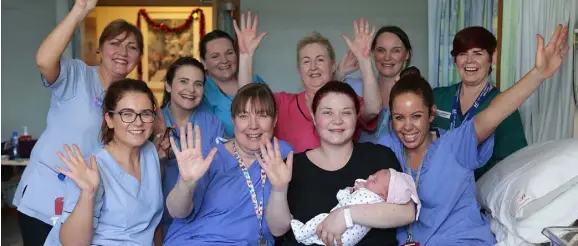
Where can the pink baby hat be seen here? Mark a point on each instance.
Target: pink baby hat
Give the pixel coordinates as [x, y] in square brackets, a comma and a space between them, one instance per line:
[402, 189]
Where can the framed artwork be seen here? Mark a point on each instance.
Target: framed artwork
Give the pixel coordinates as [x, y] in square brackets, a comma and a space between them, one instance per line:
[163, 48]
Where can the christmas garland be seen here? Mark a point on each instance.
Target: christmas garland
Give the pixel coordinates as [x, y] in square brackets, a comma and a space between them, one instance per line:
[195, 14]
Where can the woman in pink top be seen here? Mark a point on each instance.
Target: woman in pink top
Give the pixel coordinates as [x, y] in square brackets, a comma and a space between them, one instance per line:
[315, 63]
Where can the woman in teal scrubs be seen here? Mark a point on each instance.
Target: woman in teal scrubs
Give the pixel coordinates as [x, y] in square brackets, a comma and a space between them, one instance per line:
[443, 165]
[75, 112]
[474, 51]
[220, 56]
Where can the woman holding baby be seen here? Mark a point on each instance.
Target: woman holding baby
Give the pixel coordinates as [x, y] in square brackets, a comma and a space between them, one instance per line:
[309, 187]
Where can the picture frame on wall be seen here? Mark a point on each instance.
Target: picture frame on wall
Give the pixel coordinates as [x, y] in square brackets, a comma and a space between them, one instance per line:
[163, 48]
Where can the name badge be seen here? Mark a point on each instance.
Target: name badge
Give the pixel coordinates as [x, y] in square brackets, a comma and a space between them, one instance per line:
[443, 114]
[97, 102]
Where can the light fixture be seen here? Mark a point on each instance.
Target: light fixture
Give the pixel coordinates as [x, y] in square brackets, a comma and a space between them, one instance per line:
[229, 7]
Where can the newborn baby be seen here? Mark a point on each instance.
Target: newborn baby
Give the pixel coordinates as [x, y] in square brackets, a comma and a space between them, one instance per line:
[385, 185]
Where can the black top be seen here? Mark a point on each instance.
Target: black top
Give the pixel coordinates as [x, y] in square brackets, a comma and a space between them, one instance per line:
[312, 190]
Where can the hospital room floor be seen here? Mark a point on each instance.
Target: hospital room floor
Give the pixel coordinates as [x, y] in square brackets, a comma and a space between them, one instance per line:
[10, 231]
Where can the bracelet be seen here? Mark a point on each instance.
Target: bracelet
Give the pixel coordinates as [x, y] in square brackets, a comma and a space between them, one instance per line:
[348, 219]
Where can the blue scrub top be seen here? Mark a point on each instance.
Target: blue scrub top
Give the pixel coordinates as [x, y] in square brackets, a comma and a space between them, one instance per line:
[223, 212]
[450, 213]
[126, 212]
[382, 120]
[211, 131]
[74, 117]
[219, 103]
[356, 84]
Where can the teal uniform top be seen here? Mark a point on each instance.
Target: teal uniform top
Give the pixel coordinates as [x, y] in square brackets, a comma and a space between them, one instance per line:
[509, 135]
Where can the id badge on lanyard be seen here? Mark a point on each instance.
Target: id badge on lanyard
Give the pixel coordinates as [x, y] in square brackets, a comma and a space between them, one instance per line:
[258, 206]
[409, 241]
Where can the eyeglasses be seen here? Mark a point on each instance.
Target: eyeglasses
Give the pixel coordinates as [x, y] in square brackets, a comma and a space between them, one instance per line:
[147, 116]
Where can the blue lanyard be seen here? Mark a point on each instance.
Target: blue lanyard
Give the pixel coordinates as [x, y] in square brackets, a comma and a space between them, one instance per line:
[382, 121]
[472, 111]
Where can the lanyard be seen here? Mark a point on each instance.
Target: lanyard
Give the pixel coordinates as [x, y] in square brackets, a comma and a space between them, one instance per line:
[418, 174]
[382, 121]
[258, 206]
[471, 112]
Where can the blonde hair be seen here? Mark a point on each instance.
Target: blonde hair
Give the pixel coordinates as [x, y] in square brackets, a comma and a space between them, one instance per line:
[316, 38]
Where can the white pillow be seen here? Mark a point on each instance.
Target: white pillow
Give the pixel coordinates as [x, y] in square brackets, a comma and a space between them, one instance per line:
[530, 180]
[562, 211]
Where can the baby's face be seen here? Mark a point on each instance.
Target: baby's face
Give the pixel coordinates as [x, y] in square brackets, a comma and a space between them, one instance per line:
[379, 183]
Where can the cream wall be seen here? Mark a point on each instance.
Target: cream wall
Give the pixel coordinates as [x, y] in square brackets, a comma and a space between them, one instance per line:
[105, 15]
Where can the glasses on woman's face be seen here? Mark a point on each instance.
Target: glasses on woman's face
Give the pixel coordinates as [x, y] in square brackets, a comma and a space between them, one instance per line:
[129, 116]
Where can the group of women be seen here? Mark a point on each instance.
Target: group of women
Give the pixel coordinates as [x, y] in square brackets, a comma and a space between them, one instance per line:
[225, 161]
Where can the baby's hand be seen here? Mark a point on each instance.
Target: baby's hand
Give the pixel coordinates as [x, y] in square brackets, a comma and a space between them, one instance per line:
[359, 185]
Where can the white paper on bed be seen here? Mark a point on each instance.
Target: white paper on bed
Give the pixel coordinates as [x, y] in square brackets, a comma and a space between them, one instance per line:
[531, 180]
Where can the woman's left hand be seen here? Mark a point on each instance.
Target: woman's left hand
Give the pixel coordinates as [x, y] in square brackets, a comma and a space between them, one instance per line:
[247, 34]
[332, 227]
[362, 37]
[549, 58]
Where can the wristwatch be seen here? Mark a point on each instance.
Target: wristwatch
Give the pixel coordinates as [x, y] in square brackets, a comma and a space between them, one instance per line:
[348, 219]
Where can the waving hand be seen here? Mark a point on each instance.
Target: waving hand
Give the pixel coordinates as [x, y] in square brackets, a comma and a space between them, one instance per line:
[192, 165]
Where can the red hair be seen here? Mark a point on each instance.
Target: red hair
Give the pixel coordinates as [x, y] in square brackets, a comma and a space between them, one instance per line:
[474, 37]
[335, 87]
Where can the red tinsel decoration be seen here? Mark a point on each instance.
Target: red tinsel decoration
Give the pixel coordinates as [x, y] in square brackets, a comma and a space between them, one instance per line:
[164, 28]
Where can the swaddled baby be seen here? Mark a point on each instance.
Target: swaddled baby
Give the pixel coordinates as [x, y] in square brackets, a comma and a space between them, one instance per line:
[386, 185]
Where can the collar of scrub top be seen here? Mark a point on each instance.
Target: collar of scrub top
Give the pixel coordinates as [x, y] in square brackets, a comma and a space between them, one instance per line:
[169, 122]
[437, 132]
[175, 132]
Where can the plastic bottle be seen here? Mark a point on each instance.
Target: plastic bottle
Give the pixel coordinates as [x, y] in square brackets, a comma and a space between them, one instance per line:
[14, 143]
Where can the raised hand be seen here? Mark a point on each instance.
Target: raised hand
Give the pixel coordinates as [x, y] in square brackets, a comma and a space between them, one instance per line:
[347, 65]
[247, 34]
[86, 177]
[362, 37]
[85, 4]
[192, 165]
[549, 58]
[278, 172]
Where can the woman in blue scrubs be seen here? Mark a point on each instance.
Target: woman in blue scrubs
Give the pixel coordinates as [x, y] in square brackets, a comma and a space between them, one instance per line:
[219, 200]
[117, 199]
[75, 112]
[443, 168]
[219, 54]
[185, 81]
